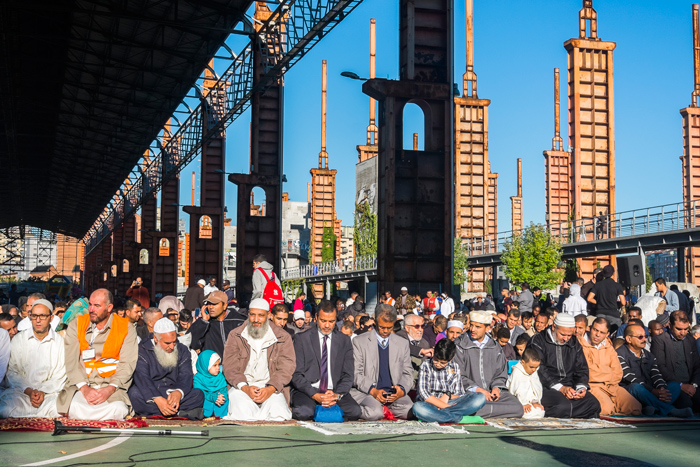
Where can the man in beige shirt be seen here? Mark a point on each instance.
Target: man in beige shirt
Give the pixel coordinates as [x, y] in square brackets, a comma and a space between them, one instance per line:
[100, 357]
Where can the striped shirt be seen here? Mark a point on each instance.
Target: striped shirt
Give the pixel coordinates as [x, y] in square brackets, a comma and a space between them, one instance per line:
[633, 368]
[434, 382]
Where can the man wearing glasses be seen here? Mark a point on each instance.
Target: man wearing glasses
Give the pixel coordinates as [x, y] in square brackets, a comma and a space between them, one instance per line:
[642, 378]
[383, 371]
[419, 347]
[36, 373]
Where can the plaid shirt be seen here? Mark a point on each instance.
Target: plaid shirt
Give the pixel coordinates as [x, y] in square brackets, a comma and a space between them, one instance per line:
[432, 382]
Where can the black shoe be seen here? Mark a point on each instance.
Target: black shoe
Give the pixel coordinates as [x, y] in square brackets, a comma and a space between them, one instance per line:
[194, 414]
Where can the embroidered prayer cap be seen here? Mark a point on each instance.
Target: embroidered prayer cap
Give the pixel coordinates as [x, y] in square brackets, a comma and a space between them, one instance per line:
[455, 324]
[44, 302]
[164, 326]
[259, 304]
[404, 288]
[480, 316]
[565, 320]
[201, 282]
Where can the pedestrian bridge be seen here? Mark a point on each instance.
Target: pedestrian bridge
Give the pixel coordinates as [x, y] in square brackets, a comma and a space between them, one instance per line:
[664, 227]
[657, 228]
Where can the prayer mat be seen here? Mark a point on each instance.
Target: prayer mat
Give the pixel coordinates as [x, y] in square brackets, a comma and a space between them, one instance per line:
[213, 422]
[399, 427]
[553, 424]
[47, 425]
[472, 420]
[648, 419]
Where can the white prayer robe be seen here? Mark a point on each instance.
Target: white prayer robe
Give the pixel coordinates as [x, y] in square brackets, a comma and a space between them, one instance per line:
[4, 352]
[38, 365]
[527, 389]
[241, 407]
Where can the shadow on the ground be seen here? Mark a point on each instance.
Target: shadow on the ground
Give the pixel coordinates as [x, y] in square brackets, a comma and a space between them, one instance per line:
[576, 457]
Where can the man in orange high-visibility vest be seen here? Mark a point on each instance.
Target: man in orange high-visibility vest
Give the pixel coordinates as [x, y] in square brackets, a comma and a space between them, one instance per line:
[100, 354]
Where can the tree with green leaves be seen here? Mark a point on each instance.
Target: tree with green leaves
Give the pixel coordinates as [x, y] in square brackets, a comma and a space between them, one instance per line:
[328, 242]
[460, 263]
[533, 257]
[365, 235]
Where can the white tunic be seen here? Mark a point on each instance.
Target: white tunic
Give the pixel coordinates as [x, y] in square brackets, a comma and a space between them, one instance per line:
[38, 365]
[527, 389]
[4, 352]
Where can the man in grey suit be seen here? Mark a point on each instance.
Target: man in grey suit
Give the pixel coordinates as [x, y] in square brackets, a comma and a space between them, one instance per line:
[383, 371]
[324, 371]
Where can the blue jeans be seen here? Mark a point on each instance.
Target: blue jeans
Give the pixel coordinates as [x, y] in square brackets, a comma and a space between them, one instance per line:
[645, 396]
[467, 404]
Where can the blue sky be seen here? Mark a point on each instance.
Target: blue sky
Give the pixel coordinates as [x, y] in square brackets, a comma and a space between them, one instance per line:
[517, 46]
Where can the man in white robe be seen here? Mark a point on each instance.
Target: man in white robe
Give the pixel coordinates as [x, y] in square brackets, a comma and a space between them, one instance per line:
[4, 352]
[36, 373]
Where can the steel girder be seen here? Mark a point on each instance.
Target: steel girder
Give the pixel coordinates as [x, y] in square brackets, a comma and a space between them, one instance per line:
[305, 24]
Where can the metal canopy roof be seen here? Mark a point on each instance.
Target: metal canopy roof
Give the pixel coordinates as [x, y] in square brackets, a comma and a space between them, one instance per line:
[85, 87]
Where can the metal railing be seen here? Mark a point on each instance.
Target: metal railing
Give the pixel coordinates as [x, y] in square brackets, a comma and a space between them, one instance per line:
[646, 221]
[361, 263]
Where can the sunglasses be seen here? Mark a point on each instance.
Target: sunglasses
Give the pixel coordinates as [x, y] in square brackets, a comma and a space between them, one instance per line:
[417, 326]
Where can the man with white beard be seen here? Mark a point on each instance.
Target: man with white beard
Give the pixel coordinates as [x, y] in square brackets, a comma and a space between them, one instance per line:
[163, 380]
[259, 362]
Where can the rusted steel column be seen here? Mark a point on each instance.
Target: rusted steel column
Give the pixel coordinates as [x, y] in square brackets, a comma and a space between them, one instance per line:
[516, 202]
[261, 234]
[366, 167]
[322, 189]
[591, 126]
[557, 173]
[165, 241]
[476, 190]
[416, 206]
[690, 160]
[206, 220]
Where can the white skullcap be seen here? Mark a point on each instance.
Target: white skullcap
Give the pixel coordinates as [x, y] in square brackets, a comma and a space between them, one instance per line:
[164, 326]
[259, 304]
[201, 282]
[455, 324]
[480, 317]
[44, 302]
[565, 320]
[299, 314]
[404, 288]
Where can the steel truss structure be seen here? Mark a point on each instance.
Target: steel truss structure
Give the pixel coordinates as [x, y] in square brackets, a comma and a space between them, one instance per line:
[306, 23]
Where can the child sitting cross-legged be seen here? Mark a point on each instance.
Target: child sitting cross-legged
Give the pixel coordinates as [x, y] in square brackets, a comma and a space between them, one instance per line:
[525, 385]
[441, 396]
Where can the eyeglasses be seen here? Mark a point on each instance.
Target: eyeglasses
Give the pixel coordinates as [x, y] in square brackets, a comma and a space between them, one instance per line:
[417, 326]
[39, 317]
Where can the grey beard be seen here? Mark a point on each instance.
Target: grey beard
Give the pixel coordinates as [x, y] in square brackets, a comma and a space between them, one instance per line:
[257, 333]
[165, 359]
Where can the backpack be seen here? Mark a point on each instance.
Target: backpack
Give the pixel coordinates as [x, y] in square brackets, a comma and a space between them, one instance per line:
[272, 292]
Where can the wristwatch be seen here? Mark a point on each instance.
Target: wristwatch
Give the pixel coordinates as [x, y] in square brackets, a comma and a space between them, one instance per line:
[339, 396]
[695, 385]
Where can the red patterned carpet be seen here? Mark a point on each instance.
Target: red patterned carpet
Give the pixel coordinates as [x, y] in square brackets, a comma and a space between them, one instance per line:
[46, 424]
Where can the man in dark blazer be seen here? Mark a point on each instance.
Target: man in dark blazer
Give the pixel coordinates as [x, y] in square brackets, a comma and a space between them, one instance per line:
[678, 360]
[323, 345]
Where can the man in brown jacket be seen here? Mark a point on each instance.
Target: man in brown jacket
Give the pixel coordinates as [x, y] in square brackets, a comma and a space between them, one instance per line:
[605, 372]
[101, 354]
[259, 362]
